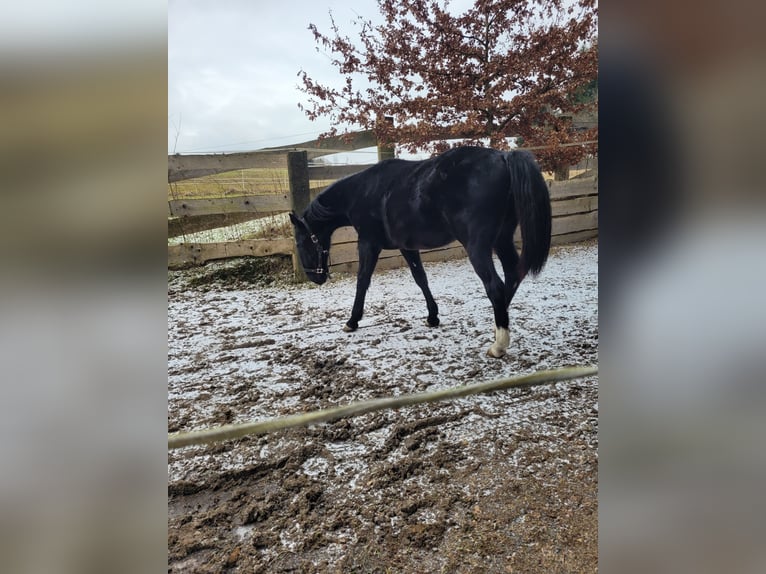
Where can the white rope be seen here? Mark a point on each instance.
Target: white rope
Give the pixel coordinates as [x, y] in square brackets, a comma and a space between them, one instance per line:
[178, 440]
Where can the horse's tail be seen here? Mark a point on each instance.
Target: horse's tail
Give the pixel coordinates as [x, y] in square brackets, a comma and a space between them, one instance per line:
[533, 210]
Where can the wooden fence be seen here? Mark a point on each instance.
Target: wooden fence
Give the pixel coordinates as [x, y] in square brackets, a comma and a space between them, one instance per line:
[574, 203]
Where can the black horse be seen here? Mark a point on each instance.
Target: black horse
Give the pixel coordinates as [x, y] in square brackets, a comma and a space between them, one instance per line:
[472, 194]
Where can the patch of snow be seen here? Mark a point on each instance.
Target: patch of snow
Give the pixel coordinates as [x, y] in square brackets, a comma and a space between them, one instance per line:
[315, 466]
[243, 532]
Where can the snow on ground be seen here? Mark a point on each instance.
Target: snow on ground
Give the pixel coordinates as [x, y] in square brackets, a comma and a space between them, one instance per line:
[232, 232]
[239, 355]
[500, 482]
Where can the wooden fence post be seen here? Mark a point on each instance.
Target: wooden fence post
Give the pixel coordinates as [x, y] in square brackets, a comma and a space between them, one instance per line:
[561, 173]
[385, 150]
[300, 197]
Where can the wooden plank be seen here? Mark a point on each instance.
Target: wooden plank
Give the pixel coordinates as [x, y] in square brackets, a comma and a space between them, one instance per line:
[394, 260]
[573, 187]
[351, 267]
[386, 263]
[347, 252]
[567, 230]
[335, 171]
[178, 226]
[453, 251]
[574, 237]
[574, 205]
[182, 167]
[334, 144]
[344, 235]
[238, 204]
[572, 223]
[187, 254]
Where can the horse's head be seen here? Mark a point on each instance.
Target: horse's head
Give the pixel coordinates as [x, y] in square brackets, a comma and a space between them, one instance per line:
[312, 251]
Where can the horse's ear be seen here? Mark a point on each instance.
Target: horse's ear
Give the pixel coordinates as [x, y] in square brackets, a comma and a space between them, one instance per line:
[295, 219]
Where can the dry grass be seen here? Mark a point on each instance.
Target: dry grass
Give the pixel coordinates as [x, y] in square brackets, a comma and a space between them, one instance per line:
[255, 181]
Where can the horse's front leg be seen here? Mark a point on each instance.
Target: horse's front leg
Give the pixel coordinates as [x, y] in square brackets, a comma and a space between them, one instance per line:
[419, 274]
[368, 258]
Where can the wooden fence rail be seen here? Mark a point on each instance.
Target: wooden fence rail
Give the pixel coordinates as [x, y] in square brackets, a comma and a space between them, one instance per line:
[574, 204]
[196, 253]
[181, 167]
[240, 204]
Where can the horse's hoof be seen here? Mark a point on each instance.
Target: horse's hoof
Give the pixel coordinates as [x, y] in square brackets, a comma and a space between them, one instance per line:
[348, 328]
[495, 353]
[502, 339]
[432, 322]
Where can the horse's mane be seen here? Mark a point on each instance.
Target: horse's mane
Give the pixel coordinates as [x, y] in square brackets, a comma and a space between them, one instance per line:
[318, 211]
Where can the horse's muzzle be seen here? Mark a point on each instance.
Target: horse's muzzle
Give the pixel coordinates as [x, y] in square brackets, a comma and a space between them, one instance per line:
[318, 278]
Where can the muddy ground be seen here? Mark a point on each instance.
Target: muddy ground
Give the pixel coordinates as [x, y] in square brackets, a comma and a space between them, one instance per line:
[505, 482]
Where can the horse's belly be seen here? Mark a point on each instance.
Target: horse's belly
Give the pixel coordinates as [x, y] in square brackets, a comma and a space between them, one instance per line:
[416, 226]
[422, 237]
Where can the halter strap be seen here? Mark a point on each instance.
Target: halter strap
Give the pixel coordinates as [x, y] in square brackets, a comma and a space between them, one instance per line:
[320, 253]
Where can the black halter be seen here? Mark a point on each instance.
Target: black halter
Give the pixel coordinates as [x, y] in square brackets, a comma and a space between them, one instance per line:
[320, 254]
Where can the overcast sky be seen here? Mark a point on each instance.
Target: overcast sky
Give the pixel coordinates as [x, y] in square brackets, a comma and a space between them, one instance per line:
[233, 70]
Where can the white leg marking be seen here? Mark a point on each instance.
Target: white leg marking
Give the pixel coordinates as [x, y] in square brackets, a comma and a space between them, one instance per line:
[502, 340]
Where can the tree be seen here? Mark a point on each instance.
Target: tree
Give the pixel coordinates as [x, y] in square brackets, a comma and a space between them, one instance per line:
[502, 69]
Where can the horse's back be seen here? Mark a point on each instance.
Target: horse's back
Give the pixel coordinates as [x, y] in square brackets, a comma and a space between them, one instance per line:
[436, 201]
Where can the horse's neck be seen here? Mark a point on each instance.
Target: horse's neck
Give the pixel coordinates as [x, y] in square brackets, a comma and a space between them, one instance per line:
[323, 227]
[330, 214]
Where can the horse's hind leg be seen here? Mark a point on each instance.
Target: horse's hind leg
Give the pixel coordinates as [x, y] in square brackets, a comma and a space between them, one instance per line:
[509, 259]
[368, 258]
[419, 274]
[481, 259]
